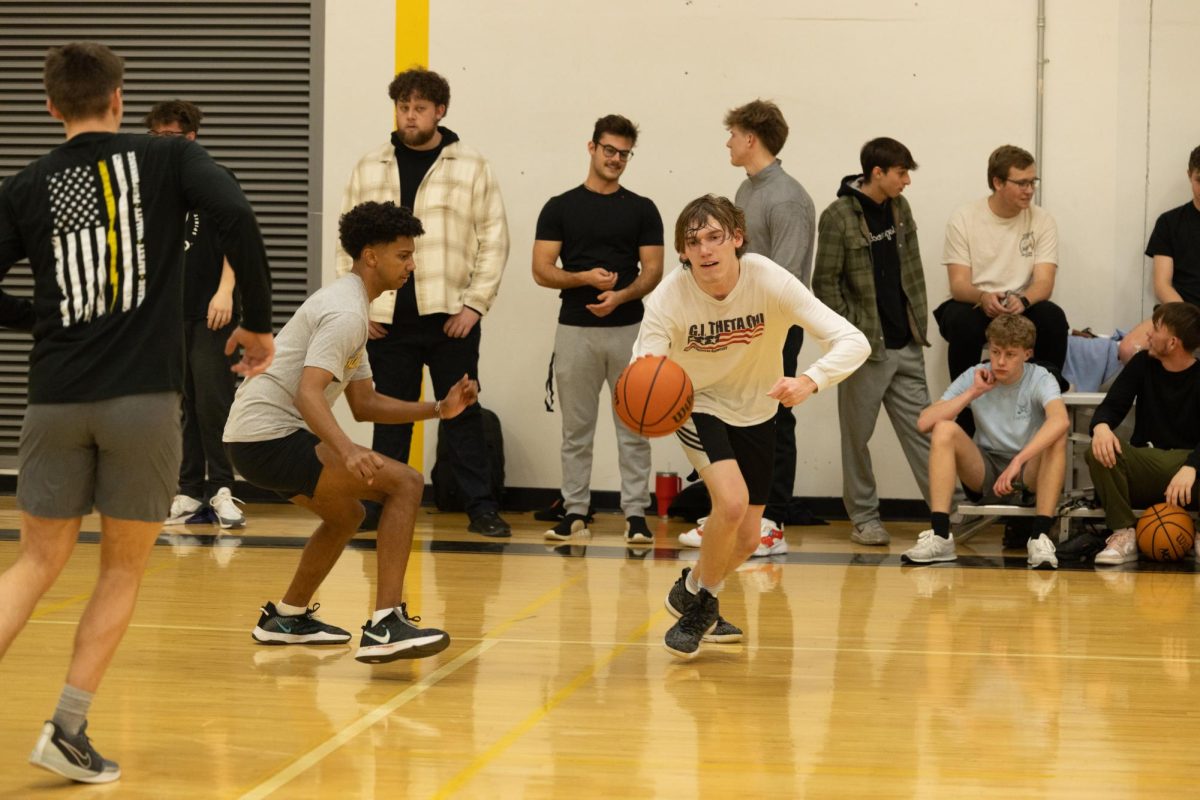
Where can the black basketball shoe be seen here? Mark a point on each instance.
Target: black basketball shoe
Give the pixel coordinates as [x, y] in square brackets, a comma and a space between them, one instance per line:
[684, 637]
[306, 628]
[396, 636]
[72, 756]
[679, 599]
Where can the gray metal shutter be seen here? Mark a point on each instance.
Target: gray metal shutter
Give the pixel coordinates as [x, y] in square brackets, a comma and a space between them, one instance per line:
[248, 65]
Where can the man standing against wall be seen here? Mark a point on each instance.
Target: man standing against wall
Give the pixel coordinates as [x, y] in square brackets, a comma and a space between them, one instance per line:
[1001, 254]
[1175, 245]
[869, 271]
[601, 231]
[781, 225]
[209, 316]
[434, 319]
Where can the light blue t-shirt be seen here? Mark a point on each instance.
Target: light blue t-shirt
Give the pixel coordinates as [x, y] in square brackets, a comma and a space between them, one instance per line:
[1007, 417]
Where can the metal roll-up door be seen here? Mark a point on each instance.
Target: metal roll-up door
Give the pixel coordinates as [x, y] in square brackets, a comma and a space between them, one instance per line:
[248, 64]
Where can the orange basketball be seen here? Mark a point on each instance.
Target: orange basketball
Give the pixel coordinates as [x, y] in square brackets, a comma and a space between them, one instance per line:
[1165, 533]
[653, 396]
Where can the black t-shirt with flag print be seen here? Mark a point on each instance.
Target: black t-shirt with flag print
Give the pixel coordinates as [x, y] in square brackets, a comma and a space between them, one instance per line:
[101, 220]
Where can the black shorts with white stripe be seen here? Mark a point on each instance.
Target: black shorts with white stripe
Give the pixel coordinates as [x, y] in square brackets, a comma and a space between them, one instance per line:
[707, 440]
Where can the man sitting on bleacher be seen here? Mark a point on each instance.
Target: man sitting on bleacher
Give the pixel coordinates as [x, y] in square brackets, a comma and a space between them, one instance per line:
[1020, 441]
[1159, 461]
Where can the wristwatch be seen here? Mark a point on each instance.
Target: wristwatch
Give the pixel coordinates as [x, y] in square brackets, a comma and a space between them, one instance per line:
[1024, 300]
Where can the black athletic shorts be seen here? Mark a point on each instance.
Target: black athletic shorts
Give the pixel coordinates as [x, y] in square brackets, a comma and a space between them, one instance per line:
[287, 466]
[707, 439]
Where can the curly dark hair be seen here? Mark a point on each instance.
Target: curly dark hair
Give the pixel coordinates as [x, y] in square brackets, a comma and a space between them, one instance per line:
[80, 78]
[375, 223]
[424, 83]
[617, 126]
[188, 115]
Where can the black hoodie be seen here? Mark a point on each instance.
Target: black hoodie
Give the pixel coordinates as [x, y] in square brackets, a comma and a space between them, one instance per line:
[889, 295]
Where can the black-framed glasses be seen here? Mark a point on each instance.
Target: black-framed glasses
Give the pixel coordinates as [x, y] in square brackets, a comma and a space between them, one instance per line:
[1032, 183]
[610, 151]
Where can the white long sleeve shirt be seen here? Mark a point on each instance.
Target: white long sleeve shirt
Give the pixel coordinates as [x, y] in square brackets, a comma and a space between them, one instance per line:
[732, 348]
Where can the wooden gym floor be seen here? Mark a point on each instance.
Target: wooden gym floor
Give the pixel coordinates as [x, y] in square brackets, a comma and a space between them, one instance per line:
[858, 678]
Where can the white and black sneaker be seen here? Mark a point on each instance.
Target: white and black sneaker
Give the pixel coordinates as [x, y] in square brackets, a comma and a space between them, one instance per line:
[72, 756]
[679, 600]
[396, 636]
[306, 628]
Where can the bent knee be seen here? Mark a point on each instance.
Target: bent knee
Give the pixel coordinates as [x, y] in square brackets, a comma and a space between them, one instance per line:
[945, 430]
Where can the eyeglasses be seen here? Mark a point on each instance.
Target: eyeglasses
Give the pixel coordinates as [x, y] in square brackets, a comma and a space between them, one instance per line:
[1032, 183]
[610, 151]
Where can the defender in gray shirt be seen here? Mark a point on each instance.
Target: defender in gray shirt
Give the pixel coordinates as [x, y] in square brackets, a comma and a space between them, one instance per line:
[282, 436]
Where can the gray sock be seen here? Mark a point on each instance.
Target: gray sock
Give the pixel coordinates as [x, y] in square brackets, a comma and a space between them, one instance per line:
[72, 709]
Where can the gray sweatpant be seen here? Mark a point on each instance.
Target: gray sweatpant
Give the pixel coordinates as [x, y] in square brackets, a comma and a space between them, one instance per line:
[898, 384]
[584, 359]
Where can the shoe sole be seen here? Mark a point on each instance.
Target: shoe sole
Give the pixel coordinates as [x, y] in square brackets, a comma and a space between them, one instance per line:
[46, 756]
[687, 543]
[1114, 563]
[270, 638]
[555, 536]
[639, 538]
[880, 542]
[501, 534]
[1043, 565]
[228, 526]
[422, 647]
[906, 559]
[777, 550]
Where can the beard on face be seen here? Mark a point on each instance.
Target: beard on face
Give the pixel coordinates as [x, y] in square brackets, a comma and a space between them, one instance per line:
[417, 138]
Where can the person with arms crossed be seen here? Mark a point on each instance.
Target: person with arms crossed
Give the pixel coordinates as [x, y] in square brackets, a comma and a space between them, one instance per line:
[601, 231]
[101, 220]
[434, 319]
[1020, 442]
[282, 436]
[209, 315]
[1158, 462]
[724, 317]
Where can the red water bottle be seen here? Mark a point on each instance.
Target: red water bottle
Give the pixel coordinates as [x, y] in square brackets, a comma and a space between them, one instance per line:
[666, 486]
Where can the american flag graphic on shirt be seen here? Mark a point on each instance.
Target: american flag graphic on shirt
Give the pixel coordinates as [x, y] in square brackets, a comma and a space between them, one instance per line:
[99, 249]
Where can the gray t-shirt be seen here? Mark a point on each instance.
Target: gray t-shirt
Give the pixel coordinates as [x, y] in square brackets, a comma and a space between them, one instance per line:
[329, 331]
[1007, 417]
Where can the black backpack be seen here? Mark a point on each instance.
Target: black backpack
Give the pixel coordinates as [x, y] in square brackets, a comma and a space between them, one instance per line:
[446, 495]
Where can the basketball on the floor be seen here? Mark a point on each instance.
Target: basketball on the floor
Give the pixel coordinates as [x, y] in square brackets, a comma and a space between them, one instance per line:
[653, 396]
[1165, 533]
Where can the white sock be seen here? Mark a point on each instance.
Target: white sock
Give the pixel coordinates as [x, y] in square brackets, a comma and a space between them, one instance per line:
[289, 611]
[694, 585]
[380, 613]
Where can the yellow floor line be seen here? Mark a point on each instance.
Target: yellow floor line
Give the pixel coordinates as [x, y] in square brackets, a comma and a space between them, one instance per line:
[317, 754]
[70, 601]
[536, 716]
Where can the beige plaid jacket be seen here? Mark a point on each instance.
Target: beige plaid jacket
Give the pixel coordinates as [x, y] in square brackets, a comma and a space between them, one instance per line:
[461, 257]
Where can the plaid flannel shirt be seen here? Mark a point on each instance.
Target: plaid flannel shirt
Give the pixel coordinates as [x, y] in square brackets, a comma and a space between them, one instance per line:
[461, 257]
[844, 273]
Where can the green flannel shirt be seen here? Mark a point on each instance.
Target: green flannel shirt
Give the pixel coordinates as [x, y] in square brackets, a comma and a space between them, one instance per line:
[844, 274]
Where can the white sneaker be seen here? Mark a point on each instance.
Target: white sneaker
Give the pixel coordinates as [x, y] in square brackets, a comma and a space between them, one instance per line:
[930, 548]
[1121, 548]
[692, 538]
[1041, 553]
[771, 543]
[182, 508]
[228, 514]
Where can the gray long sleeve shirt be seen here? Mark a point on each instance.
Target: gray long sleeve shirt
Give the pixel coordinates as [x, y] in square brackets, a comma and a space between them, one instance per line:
[781, 220]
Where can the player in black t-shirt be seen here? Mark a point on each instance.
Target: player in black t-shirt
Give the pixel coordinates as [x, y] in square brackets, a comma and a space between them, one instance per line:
[100, 219]
[209, 316]
[1175, 245]
[601, 232]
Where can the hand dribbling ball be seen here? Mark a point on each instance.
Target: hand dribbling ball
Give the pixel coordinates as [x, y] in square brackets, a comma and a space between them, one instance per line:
[653, 396]
[1165, 533]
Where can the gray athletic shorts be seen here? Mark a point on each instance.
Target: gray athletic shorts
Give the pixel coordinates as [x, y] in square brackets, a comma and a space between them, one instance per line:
[993, 464]
[120, 456]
